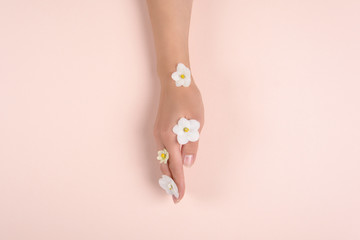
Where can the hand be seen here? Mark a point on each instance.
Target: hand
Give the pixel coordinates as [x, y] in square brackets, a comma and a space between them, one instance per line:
[175, 103]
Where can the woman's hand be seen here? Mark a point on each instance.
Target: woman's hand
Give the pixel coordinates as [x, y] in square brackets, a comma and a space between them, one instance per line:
[170, 24]
[175, 103]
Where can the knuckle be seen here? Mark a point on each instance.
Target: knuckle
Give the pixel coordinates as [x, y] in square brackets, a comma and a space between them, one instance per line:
[173, 166]
[156, 134]
[163, 169]
[164, 134]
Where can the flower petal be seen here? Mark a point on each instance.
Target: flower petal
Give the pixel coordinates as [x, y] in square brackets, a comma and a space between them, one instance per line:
[175, 190]
[175, 76]
[164, 182]
[182, 139]
[167, 178]
[176, 129]
[183, 122]
[187, 82]
[187, 72]
[194, 124]
[180, 82]
[181, 68]
[193, 136]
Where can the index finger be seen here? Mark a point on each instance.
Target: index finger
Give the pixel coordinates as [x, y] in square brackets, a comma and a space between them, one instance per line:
[176, 167]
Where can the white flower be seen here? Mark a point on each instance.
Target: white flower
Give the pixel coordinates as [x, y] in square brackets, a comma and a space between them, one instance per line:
[182, 76]
[187, 130]
[163, 156]
[169, 185]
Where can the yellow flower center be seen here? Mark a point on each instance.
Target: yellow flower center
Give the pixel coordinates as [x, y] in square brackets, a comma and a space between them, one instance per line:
[186, 129]
[170, 187]
[163, 155]
[182, 76]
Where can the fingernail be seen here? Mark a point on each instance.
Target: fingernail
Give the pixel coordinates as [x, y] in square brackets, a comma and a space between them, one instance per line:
[188, 160]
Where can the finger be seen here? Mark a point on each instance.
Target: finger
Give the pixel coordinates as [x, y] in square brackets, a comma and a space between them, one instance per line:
[164, 168]
[188, 153]
[176, 167]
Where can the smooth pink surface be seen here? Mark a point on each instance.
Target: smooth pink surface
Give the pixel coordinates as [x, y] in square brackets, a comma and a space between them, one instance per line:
[279, 156]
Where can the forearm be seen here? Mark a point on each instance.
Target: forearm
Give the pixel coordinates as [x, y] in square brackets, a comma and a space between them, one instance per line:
[170, 23]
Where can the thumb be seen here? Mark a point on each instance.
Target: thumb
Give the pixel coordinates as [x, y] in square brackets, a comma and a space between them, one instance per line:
[188, 152]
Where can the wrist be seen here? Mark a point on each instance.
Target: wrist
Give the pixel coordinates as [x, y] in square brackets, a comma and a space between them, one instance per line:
[169, 57]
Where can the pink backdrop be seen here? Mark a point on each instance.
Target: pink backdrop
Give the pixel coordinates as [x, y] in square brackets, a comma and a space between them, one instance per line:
[279, 155]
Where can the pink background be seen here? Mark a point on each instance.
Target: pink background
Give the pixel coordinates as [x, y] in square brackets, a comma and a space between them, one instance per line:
[279, 155]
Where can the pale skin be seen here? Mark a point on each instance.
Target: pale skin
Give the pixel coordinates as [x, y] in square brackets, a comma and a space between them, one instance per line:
[170, 24]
